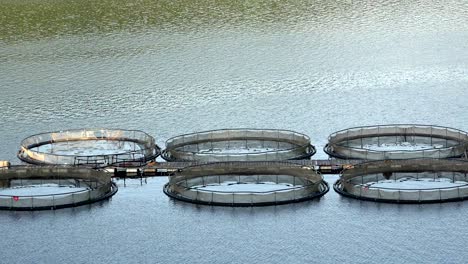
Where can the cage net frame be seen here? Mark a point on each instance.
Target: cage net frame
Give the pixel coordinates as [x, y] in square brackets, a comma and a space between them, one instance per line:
[349, 143]
[148, 149]
[284, 144]
[306, 183]
[353, 180]
[99, 186]
[4, 164]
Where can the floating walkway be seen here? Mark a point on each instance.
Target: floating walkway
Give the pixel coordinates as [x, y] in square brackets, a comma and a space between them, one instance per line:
[163, 169]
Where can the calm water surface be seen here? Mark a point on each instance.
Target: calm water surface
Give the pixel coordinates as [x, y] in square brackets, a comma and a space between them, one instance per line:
[173, 67]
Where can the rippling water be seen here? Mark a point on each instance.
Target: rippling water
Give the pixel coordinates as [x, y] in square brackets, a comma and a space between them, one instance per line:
[172, 67]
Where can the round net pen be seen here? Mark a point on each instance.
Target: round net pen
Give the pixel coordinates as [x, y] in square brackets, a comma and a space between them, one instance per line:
[397, 142]
[28, 188]
[239, 145]
[406, 181]
[90, 147]
[246, 184]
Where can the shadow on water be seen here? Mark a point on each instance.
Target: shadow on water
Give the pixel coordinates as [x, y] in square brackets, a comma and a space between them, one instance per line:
[253, 210]
[72, 211]
[346, 202]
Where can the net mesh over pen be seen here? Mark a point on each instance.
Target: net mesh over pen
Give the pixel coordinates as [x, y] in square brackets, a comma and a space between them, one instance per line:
[246, 184]
[397, 142]
[406, 181]
[239, 145]
[90, 147]
[52, 187]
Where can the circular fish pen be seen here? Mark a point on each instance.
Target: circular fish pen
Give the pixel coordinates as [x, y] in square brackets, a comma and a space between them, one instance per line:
[91, 147]
[246, 184]
[406, 181]
[28, 188]
[239, 145]
[397, 142]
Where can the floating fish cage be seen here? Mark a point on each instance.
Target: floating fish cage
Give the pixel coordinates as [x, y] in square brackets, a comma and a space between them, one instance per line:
[91, 147]
[406, 181]
[239, 145]
[44, 188]
[246, 184]
[397, 142]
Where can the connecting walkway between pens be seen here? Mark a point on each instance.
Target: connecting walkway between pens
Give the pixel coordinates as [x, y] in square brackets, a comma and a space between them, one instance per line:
[326, 166]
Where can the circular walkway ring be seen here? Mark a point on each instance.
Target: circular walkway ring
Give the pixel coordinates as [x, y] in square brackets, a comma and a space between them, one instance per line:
[351, 143]
[99, 186]
[353, 181]
[215, 146]
[180, 186]
[147, 148]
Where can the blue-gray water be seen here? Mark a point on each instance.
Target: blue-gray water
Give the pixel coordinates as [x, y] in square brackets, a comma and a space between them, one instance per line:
[172, 67]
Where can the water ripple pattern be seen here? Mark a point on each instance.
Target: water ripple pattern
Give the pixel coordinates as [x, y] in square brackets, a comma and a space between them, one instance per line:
[170, 67]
